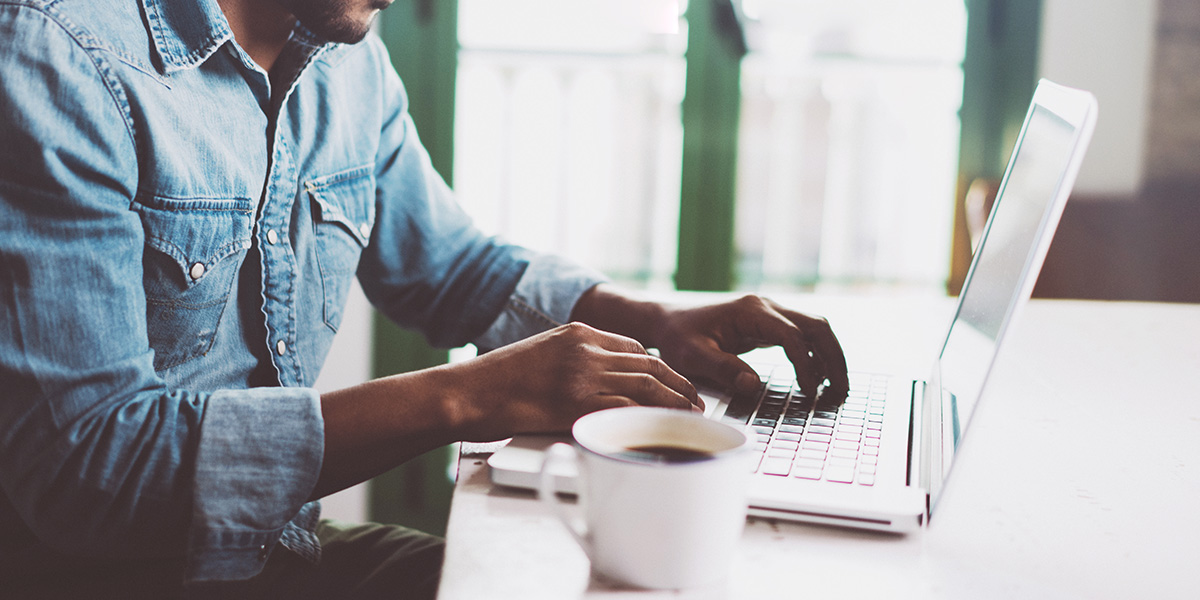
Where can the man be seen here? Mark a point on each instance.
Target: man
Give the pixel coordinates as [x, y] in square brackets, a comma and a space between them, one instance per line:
[186, 189]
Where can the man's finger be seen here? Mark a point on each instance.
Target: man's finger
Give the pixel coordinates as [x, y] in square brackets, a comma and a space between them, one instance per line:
[770, 325]
[808, 341]
[655, 368]
[722, 369]
[831, 360]
[614, 401]
[645, 389]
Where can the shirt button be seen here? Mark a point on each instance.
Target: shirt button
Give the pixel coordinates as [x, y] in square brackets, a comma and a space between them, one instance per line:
[263, 552]
[272, 237]
[365, 230]
[281, 347]
[197, 271]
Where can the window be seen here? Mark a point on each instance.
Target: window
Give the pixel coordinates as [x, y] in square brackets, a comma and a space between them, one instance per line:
[567, 128]
[568, 135]
[849, 142]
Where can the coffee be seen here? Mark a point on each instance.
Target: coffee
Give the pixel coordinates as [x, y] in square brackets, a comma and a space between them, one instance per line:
[666, 453]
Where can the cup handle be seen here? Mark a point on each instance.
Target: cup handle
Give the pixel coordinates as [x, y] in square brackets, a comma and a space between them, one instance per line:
[556, 454]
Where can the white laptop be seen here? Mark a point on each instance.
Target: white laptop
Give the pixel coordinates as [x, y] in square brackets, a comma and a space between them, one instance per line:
[878, 457]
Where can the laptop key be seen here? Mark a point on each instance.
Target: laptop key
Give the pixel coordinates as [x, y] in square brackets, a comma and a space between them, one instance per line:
[819, 437]
[845, 445]
[839, 474]
[807, 473]
[803, 462]
[847, 436]
[801, 404]
[786, 444]
[741, 406]
[776, 466]
[840, 461]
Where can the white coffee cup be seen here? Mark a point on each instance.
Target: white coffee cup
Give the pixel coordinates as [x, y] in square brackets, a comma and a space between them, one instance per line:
[650, 519]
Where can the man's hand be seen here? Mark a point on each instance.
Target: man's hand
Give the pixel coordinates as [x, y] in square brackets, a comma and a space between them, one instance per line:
[547, 381]
[541, 384]
[703, 342]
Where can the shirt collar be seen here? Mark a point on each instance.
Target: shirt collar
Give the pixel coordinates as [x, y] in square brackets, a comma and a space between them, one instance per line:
[185, 32]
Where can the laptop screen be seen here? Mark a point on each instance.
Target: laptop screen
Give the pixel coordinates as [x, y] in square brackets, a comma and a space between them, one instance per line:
[1007, 261]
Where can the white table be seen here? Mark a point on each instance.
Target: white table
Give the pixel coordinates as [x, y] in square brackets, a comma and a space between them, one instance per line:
[1080, 477]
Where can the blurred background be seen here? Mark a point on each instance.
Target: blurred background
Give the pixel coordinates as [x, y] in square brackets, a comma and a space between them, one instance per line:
[783, 146]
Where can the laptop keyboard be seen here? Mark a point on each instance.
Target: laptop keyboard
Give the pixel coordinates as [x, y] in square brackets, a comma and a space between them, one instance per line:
[831, 438]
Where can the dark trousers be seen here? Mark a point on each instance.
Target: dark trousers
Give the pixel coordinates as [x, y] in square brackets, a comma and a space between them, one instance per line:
[365, 561]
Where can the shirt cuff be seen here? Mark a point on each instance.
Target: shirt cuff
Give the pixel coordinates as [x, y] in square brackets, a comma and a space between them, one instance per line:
[542, 300]
[258, 460]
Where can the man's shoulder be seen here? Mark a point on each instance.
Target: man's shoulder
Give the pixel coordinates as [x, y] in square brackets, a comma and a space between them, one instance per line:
[90, 24]
[68, 49]
[88, 15]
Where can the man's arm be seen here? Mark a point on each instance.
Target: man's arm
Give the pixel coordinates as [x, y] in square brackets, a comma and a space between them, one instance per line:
[544, 383]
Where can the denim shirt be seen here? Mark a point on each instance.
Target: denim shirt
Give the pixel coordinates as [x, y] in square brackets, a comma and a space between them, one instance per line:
[177, 240]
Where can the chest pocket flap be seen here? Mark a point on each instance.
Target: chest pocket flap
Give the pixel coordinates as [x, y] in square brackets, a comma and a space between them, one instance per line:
[346, 200]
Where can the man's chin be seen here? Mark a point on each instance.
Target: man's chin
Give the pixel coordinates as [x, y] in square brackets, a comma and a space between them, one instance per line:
[342, 21]
[345, 31]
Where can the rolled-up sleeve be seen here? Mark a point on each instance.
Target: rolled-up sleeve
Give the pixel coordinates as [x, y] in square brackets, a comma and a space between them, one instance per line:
[543, 299]
[98, 456]
[256, 463]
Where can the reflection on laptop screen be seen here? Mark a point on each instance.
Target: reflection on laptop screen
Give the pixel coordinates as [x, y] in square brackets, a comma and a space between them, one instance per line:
[1031, 186]
[995, 284]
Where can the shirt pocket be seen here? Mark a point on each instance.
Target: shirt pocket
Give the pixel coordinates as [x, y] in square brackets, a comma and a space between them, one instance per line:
[343, 207]
[194, 250]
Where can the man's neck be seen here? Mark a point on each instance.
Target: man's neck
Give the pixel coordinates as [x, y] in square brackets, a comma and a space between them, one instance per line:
[261, 28]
